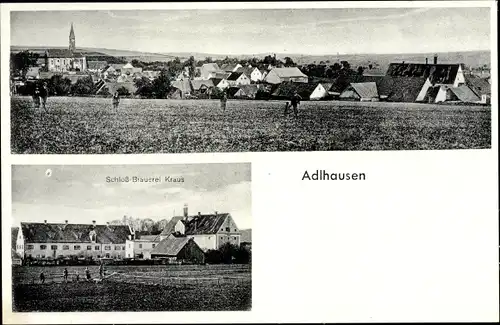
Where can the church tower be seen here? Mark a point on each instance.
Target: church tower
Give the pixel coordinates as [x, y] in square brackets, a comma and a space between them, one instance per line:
[72, 44]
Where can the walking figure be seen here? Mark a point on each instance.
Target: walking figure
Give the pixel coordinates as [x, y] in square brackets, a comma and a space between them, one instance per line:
[295, 101]
[87, 273]
[36, 96]
[44, 93]
[42, 277]
[65, 274]
[116, 100]
[77, 276]
[101, 270]
[223, 100]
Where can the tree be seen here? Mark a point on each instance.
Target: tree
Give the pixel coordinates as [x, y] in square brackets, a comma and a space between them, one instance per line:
[161, 85]
[83, 86]
[105, 91]
[345, 65]
[59, 86]
[361, 70]
[208, 59]
[289, 62]
[191, 65]
[22, 61]
[144, 87]
[122, 91]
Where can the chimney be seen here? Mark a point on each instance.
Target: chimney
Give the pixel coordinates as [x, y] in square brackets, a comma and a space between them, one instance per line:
[93, 222]
[45, 221]
[435, 59]
[185, 210]
[66, 221]
[199, 214]
[215, 212]
[403, 62]
[426, 61]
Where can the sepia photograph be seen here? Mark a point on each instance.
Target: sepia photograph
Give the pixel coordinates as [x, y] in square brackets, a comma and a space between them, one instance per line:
[250, 80]
[131, 238]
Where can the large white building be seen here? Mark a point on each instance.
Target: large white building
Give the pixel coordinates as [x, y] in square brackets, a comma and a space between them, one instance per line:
[209, 231]
[57, 240]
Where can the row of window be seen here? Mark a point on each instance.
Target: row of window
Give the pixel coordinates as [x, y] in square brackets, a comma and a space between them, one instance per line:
[228, 229]
[75, 247]
[60, 256]
[140, 245]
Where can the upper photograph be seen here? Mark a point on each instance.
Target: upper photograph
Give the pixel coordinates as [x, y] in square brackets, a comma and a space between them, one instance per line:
[249, 80]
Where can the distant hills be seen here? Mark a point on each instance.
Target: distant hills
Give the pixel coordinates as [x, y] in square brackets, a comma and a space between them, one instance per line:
[470, 58]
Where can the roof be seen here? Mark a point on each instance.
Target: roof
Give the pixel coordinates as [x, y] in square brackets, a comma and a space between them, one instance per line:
[234, 76]
[128, 66]
[326, 85]
[229, 67]
[114, 86]
[204, 223]
[171, 246]
[365, 89]
[169, 227]
[210, 67]
[246, 70]
[222, 75]
[248, 90]
[216, 81]
[48, 74]
[182, 85]
[401, 89]
[96, 64]
[73, 233]
[116, 66]
[149, 238]
[288, 72]
[438, 73]
[464, 94]
[62, 53]
[33, 72]
[196, 84]
[480, 86]
[286, 89]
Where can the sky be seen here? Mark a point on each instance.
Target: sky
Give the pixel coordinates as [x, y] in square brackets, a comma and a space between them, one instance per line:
[81, 194]
[253, 31]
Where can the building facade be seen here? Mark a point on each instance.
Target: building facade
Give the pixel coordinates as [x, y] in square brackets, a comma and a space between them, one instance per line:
[51, 240]
[61, 60]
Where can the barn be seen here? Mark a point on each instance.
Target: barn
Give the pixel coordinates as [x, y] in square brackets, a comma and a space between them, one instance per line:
[321, 91]
[238, 78]
[279, 75]
[179, 248]
[362, 91]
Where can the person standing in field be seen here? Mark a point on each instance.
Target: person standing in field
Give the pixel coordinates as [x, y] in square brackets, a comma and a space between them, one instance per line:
[295, 101]
[116, 100]
[44, 93]
[77, 276]
[87, 273]
[36, 96]
[65, 275]
[223, 100]
[101, 270]
[42, 277]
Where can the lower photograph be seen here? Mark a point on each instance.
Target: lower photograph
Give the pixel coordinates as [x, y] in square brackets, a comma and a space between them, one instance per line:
[131, 238]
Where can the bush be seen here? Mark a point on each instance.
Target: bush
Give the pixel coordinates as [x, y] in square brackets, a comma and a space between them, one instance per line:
[122, 91]
[228, 254]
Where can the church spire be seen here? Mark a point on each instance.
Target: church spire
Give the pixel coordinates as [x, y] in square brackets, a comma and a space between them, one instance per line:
[72, 43]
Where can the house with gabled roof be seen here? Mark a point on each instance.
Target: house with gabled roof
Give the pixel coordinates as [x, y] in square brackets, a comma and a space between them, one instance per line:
[220, 83]
[179, 248]
[238, 78]
[362, 91]
[279, 75]
[57, 240]
[208, 70]
[141, 246]
[252, 72]
[209, 231]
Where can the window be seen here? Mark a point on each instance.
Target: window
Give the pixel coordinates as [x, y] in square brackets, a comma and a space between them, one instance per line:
[235, 230]
[154, 245]
[53, 247]
[227, 229]
[140, 245]
[76, 247]
[107, 255]
[43, 246]
[98, 256]
[107, 248]
[43, 255]
[117, 248]
[38, 256]
[96, 248]
[30, 246]
[65, 247]
[89, 248]
[128, 245]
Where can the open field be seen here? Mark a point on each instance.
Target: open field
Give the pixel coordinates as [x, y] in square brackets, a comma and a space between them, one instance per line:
[75, 125]
[135, 288]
